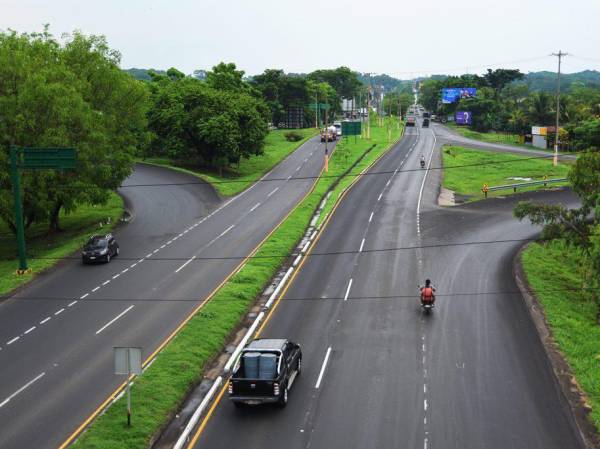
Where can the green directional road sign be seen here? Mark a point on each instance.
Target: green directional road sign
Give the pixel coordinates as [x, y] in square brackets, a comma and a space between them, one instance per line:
[47, 158]
[313, 106]
[36, 159]
[351, 128]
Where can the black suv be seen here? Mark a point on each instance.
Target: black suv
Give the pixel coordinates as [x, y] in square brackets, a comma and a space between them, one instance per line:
[264, 372]
[100, 248]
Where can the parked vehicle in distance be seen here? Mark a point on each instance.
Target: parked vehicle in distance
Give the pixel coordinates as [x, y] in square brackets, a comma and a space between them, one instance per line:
[338, 128]
[100, 248]
[264, 372]
[425, 123]
[410, 121]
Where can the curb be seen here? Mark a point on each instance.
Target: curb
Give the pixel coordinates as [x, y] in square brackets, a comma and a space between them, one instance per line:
[570, 391]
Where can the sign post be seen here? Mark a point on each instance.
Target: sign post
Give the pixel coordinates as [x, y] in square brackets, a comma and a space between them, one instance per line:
[33, 158]
[128, 361]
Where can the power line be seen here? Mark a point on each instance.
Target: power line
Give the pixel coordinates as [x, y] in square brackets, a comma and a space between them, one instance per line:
[296, 254]
[305, 298]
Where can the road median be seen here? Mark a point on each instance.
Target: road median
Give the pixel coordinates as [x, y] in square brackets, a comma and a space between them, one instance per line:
[179, 363]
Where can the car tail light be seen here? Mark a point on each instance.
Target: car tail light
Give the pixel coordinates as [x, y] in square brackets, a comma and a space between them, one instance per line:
[230, 387]
[276, 389]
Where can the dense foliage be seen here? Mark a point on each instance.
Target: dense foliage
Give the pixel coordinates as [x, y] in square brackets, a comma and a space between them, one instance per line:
[66, 95]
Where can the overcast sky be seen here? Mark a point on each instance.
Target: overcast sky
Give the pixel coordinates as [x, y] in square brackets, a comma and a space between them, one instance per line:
[398, 37]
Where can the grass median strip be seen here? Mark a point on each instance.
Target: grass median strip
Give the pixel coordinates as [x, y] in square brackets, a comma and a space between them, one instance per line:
[159, 392]
[493, 168]
[276, 149]
[76, 228]
[552, 271]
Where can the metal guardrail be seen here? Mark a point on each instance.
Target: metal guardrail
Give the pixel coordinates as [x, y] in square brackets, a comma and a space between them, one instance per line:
[515, 186]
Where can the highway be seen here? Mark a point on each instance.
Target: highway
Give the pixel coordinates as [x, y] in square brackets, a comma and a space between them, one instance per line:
[57, 334]
[377, 372]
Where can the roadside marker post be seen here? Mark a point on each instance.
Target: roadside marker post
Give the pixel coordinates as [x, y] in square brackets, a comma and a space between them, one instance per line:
[485, 189]
[128, 361]
[36, 159]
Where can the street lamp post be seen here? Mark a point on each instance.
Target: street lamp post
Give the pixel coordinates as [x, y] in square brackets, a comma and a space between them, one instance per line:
[560, 54]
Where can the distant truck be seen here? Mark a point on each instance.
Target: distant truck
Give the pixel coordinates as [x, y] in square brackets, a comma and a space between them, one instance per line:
[410, 121]
[329, 134]
[264, 372]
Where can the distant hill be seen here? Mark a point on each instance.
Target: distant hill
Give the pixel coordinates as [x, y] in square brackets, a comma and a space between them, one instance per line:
[142, 74]
[537, 81]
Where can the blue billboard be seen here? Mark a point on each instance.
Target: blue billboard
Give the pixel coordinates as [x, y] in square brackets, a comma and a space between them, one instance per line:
[463, 118]
[454, 94]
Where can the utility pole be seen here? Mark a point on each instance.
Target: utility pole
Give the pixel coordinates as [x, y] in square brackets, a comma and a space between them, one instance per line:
[326, 137]
[560, 54]
[316, 110]
[369, 108]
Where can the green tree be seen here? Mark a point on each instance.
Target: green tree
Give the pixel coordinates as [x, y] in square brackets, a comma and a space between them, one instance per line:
[579, 227]
[71, 95]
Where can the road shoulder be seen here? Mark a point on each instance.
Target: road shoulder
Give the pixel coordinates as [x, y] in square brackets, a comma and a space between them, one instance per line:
[563, 373]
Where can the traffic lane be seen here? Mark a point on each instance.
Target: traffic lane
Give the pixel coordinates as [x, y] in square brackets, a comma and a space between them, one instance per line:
[71, 278]
[199, 238]
[454, 138]
[309, 313]
[106, 310]
[488, 369]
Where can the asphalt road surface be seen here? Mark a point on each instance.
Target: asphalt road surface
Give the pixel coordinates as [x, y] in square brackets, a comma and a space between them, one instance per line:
[473, 374]
[57, 335]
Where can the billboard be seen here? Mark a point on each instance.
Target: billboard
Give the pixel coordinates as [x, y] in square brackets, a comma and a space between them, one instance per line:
[463, 118]
[453, 94]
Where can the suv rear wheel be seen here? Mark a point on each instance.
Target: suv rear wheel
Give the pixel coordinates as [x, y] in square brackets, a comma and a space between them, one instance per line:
[283, 399]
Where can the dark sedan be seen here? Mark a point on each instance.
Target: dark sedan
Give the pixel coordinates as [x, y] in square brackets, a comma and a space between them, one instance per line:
[100, 248]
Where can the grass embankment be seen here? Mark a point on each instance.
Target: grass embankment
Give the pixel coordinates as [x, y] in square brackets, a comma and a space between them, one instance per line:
[76, 228]
[479, 167]
[552, 269]
[234, 180]
[490, 137]
[159, 392]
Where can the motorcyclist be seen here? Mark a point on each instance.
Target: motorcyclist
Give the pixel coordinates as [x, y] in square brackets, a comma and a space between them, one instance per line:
[428, 293]
[422, 161]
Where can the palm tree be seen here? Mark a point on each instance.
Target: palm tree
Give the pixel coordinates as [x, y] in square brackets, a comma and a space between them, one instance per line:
[540, 109]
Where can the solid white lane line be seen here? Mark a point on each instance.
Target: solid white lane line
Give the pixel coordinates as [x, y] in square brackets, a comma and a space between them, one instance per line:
[29, 330]
[84, 296]
[58, 312]
[28, 384]
[361, 246]
[114, 319]
[12, 341]
[96, 289]
[371, 217]
[181, 267]
[318, 384]
[45, 320]
[226, 231]
[274, 190]
[72, 304]
[425, 177]
[348, 290]
[254, 207]
[106, 282]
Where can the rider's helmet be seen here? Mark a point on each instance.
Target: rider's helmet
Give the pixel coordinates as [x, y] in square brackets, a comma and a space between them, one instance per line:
[427, 282]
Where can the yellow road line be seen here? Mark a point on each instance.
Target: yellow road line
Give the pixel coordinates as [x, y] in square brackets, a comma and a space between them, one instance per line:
[285, 289]
[120, 388]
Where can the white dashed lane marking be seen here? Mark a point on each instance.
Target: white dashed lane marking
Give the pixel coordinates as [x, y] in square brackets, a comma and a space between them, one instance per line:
[45, 320]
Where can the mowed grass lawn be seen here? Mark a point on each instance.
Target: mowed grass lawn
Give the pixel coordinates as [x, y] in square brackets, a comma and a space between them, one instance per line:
[236, 179]
[76, 228]
[491, 136]
[553, 269]
[466, 170]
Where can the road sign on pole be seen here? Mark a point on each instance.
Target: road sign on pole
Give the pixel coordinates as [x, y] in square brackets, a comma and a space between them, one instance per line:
[33, 158]
[128, 361]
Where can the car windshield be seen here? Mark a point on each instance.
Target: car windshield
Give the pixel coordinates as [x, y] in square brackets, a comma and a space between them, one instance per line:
[96, 243]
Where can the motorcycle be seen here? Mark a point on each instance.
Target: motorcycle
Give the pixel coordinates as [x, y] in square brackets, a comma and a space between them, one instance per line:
[426, 305]
[422, 163]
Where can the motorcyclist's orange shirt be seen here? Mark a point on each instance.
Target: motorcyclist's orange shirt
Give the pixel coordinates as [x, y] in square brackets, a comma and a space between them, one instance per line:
[427, 292]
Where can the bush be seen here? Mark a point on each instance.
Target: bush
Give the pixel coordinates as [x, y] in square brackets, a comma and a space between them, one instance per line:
[293, 136]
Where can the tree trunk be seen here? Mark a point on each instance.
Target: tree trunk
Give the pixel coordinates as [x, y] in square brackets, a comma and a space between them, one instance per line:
[54, 216]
